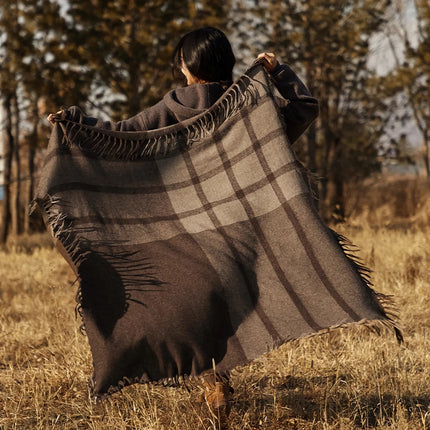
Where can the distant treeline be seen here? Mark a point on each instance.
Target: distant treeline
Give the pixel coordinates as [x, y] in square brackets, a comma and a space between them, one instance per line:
[114, 59]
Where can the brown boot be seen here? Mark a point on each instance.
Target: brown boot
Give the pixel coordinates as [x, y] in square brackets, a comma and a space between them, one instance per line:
[216, 394]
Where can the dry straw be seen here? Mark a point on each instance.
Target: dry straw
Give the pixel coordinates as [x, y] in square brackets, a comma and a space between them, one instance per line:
[342, 380]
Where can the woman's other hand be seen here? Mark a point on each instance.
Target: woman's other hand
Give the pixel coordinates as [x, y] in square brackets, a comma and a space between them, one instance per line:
[56, 117]
[268, 60]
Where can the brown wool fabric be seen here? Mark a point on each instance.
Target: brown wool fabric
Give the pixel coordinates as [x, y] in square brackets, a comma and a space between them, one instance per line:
[198, 242]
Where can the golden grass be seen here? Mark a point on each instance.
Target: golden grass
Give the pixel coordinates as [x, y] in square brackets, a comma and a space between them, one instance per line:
[347, 379]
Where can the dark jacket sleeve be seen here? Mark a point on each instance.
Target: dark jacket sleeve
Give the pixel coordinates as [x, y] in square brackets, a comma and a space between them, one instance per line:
[156, 116]
[135, 123]
[301, 108]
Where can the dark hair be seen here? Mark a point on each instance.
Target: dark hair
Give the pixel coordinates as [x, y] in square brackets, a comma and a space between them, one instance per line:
[207, 54]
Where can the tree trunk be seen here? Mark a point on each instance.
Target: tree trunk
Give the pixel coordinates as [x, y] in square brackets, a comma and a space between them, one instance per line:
[335, 197]
[16, 219]
[426, 153]
[311, 134]
[325, 168]
[31, 154]
[312, 163]
[337, 202]
[6, 213]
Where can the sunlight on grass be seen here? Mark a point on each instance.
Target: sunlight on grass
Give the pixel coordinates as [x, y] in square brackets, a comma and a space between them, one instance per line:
[346, 379]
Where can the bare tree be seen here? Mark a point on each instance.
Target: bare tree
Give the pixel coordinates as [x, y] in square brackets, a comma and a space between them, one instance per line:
[411, 78]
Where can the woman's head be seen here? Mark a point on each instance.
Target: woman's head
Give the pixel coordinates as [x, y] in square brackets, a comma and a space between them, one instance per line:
[207, 55]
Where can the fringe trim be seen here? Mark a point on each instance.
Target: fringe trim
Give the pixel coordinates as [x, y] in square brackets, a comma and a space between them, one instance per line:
[385, 303]
[159, 143]
[61, 230]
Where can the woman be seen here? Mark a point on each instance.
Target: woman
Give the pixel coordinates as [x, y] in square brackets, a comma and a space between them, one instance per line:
[205, 57]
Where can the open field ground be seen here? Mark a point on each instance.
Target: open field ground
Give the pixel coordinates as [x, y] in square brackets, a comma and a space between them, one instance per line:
[347, 379]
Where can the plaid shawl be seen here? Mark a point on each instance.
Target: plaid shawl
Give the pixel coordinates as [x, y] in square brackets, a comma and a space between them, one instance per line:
[197, 243]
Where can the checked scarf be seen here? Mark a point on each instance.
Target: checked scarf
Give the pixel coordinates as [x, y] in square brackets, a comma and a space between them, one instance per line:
[198, 243]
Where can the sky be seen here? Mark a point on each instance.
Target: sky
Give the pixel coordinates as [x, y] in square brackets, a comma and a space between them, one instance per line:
[383, 59]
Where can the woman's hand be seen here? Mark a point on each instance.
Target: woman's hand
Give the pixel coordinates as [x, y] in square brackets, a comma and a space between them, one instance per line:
[268, 60]
[56, 117]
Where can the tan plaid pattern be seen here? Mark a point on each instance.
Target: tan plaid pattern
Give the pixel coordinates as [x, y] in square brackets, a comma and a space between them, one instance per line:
[212, 253]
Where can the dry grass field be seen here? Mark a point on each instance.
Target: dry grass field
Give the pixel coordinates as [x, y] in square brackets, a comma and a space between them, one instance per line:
[347, 379]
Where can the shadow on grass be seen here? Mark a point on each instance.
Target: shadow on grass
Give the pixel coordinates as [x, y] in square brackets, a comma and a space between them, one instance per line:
[306, 403]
